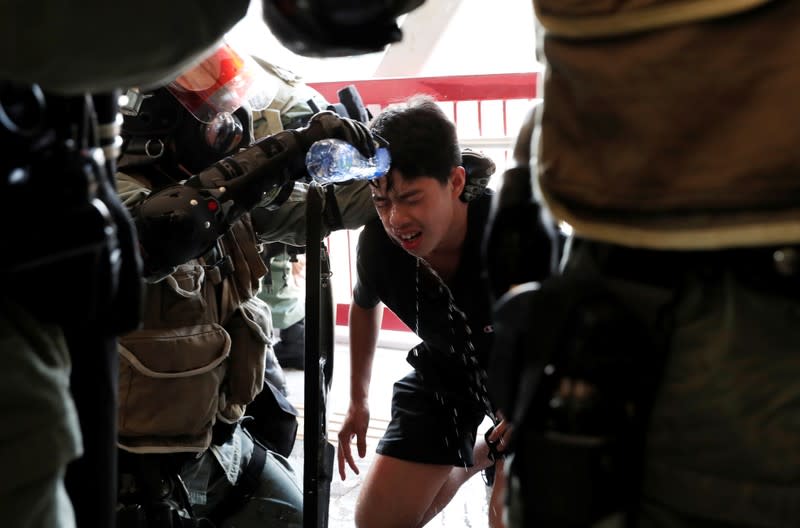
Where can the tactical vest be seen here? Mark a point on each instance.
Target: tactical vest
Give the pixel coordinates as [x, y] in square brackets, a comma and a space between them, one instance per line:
[669, 124]
[200, 354]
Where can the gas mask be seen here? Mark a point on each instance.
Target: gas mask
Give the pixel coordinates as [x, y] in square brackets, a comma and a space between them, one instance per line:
[201, 116]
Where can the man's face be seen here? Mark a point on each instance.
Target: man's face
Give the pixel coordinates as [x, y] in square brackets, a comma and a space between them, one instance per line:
[418, 213]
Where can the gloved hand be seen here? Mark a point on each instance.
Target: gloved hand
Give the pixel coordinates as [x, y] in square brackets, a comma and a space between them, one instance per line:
[521, 242]
[326, 124]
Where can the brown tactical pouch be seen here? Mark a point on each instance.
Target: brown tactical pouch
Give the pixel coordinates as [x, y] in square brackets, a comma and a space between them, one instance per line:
[670, 116]
[250, 330]
[169, 398]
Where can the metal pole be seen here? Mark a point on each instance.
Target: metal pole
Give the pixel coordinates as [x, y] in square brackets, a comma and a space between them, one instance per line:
[318, 453]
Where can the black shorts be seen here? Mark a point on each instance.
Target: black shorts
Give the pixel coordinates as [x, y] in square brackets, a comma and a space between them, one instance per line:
[431, 426]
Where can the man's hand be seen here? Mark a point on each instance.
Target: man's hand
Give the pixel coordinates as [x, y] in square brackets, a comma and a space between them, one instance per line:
[500, 436]
[355, 424]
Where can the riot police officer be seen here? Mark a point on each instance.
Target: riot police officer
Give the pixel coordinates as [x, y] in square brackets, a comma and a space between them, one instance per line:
[655, 374]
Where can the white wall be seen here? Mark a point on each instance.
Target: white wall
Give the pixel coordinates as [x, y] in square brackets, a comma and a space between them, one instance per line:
[443, 37]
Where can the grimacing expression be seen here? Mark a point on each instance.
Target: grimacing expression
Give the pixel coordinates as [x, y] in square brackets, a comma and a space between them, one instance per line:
[417, 213]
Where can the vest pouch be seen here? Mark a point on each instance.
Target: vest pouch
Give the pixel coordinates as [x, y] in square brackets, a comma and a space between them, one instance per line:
[577, 481]
[578, 457]
[183, 298]
[169, 387]
[250, 329]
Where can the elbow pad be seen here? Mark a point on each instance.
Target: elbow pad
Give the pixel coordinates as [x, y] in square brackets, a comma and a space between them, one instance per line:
[176, 224]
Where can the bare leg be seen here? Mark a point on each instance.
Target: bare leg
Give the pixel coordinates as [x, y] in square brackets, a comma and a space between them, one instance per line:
[497, 498]
[398, 493]
[456, 478]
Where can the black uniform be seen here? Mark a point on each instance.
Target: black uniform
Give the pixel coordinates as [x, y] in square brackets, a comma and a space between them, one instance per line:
[437, 408]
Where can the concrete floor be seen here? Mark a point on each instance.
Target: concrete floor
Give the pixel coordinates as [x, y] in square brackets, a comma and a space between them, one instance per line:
[469, 508]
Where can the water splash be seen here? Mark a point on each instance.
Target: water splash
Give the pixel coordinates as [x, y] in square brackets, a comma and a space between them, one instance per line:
[461, 457]
[468, 357]
[476, 376]
[416, 299]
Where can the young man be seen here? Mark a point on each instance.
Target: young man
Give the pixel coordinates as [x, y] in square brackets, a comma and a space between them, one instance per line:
[421, 258]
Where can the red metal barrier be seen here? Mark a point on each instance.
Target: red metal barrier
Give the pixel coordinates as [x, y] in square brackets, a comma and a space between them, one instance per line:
[390, 320]
[451, 88]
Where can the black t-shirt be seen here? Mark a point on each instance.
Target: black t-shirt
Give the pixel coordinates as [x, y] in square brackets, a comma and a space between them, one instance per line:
[387, 273]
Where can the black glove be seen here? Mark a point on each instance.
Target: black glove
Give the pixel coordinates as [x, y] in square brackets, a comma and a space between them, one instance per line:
[326, 124]
[479, 169]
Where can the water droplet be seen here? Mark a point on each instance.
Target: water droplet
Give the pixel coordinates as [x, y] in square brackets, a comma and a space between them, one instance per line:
[476, 374]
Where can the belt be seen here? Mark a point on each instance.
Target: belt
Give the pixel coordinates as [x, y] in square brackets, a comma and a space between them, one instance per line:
[712, 497]
[768, 266]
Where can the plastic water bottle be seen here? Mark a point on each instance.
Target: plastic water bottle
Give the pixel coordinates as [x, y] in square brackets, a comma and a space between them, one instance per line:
[336, 161]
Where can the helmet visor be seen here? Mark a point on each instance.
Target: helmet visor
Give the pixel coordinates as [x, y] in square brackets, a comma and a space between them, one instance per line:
[223, 82]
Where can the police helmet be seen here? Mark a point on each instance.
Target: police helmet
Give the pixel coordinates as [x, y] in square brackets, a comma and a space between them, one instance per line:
[336, 28]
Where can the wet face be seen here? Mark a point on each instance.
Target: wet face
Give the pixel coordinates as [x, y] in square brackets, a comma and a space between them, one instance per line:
[421, 215]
